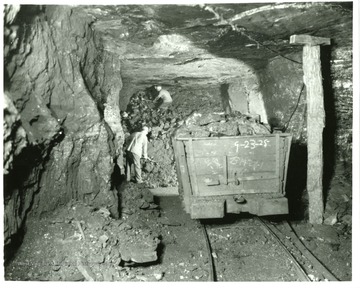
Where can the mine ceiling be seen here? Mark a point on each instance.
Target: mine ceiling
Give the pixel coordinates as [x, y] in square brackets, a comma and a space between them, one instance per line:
[207, 44]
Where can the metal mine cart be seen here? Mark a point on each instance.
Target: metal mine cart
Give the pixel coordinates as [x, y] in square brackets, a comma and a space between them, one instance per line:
[233, 174]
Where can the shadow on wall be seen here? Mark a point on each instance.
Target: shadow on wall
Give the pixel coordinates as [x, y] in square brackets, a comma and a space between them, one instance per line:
[296, 182]
[329, 151]
[116, 177]
[23, 164]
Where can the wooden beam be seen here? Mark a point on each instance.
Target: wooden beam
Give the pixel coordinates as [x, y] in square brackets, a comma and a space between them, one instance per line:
[315, 126]
[315, 121]
[309, 40]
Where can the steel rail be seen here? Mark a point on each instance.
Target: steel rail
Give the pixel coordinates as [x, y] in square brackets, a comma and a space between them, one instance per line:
[321, 268]
[302, 274]
[212, 273]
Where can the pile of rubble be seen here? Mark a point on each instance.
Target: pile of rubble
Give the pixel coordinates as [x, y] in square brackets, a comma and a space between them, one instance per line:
[219, 124]
[80, 243]
[141, 111]
[165, 124]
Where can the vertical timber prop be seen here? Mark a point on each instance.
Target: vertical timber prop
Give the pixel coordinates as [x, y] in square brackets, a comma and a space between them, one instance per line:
[315, 121]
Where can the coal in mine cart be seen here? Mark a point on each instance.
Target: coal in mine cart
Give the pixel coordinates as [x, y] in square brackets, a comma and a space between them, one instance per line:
[233, 174]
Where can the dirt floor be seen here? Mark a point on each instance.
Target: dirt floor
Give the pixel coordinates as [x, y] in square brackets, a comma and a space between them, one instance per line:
[155, 240]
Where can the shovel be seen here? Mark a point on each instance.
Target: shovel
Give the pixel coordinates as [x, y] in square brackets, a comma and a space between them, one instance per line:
[151, 161]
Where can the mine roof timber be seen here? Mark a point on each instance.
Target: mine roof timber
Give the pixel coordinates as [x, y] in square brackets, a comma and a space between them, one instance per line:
[309, 40]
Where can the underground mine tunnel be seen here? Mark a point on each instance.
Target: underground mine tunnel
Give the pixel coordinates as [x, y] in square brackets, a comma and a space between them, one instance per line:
[78, 80]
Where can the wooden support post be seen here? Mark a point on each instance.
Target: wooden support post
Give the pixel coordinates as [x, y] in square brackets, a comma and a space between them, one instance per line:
[315, 121]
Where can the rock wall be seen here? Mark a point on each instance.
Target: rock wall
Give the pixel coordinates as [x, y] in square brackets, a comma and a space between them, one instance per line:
[246, 97]
[281, 84]
[341, 77]
[62, 121]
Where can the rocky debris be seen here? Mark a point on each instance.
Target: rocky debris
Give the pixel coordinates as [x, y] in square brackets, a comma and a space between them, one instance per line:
[139, 253]
[162, 123]
[134, 198]
[85, 270]
[331, 220]
[98, 252]
[158, 276]
[347, 219]
[338, 207]
[209, 121]
[219, 124]
[183, 259]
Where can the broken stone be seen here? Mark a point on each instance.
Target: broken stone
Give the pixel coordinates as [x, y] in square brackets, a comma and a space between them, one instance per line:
[331, 220]
[99, 259]
[58, 260]
[131, 276]
[158, 276]
[103, 239]
[138, 255]
[144, 205]
[85, 269]
[56, 267]
[108, 274]
[192, 119]
[75, 277]
[125, 226]
[141, 278]
[209, 118]
[105, 212]
[347, 219]
[244, 130]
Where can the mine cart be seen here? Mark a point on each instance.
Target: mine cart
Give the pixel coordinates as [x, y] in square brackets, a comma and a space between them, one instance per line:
[233, 174]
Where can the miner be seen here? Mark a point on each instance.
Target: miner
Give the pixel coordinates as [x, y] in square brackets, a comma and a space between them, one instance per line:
[164, 99]
[135, 148]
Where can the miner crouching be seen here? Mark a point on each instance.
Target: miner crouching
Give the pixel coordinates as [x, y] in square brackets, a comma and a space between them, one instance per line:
[163, 100]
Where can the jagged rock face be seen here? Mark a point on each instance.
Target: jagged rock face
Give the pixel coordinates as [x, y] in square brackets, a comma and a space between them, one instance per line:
[65, 90]
[14, 134]
[193, 45]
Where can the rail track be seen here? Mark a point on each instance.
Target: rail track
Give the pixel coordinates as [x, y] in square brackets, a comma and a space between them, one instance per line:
[291, 260]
